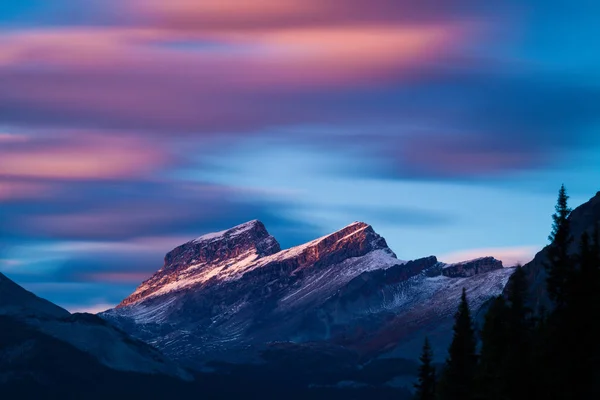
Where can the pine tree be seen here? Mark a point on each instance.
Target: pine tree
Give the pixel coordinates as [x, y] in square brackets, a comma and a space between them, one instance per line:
[557, 354]
[517, 356]
[573, 284]
[595, 347]
[581, 316]
[559, 265]
[459, 373]
[596, 243]
[540, 345]
[426, 384]
[494, 346]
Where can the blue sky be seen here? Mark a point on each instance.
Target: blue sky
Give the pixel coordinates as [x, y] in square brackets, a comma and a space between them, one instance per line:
[129, 127]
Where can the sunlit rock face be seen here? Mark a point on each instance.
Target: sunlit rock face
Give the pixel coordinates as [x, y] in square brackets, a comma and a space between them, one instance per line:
[213, 255]
[229, 295]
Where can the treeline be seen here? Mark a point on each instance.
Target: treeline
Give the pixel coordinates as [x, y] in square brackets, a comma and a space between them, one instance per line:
[525, 353]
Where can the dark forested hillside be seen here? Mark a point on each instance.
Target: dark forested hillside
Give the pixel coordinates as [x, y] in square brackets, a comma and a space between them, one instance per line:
[548, 353]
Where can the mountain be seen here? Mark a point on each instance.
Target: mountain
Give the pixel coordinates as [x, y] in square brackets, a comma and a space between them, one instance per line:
[584, 218]
[36, 365]
[39, 361]
[16, 301]
[87, 333]
[235, 296]
[389, 311]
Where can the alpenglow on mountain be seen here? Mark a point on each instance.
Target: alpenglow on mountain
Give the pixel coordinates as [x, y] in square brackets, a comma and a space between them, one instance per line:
[232, 294]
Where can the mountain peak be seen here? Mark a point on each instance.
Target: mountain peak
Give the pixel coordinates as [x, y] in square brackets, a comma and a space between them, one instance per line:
[357, 225]
[249, 249]
[220, 254]
[254, 225]
[251, 236]
[353, 240]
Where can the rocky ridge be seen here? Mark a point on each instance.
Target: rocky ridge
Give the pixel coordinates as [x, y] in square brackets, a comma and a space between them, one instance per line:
[224, 293]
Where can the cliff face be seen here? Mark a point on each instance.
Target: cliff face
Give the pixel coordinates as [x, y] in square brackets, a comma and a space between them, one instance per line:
[199, 260]
[473, 267]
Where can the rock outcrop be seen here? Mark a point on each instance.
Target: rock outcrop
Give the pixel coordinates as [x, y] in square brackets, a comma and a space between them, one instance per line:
[212, 255]
[465, 269]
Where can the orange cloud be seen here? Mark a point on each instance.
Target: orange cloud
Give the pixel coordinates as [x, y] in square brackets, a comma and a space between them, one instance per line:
[216, 79]
[274, 58]
[233, 10]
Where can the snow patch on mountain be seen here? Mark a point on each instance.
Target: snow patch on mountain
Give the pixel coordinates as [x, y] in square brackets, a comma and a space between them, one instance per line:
[228, 233]
[200, 273]
[324, 284]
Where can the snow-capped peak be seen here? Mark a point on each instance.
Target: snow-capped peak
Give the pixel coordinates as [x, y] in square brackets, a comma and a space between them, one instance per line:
[244, 249]
[231, 232]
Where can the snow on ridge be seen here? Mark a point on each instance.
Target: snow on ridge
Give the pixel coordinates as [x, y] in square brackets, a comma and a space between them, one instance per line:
[293, 251]
[233, 269]
[196, 274]
[231, 232]
[364, 224]
[329, 280]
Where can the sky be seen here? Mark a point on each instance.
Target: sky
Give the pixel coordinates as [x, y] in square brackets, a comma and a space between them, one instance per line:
[128, 127]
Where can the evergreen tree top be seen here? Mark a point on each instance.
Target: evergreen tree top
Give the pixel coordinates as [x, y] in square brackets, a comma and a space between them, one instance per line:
[561, 215]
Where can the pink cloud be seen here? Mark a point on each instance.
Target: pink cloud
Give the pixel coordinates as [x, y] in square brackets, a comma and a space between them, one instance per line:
[138, 77]
[274, 56]
[219, 15]
[509, 256]
[223, 12]
[11, 190]
[89, 308]
[76, 156]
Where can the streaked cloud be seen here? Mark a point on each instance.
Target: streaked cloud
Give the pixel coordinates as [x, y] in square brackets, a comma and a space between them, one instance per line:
[11, 191]
[79, 155]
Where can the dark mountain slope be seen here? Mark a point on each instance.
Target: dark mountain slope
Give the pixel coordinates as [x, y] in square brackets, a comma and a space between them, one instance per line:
[583, 219]
[107, 344]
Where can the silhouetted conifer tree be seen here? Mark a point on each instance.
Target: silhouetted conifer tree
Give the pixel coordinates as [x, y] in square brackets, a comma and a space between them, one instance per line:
[580, 330]
[494, 346]
[561, 285]
[517, 361]
[458, 381]
[426, 384]
[559, 262]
